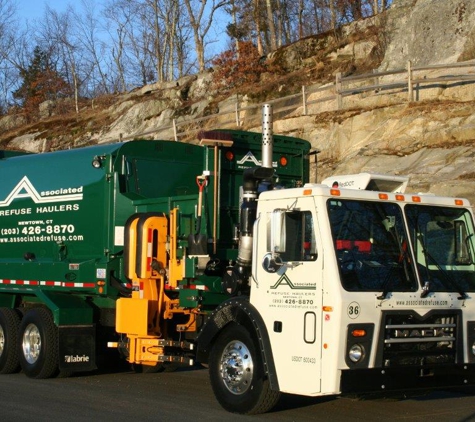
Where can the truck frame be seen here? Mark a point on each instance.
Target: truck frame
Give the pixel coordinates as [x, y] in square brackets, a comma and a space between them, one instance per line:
[223, 254]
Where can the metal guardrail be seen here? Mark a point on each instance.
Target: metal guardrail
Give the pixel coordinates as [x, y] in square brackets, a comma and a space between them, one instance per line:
[249, 116]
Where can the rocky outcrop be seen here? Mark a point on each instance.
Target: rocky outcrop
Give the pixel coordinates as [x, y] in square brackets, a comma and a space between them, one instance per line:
[432, 140]
[429, 32]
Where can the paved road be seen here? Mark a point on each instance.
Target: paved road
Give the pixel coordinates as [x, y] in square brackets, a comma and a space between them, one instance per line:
[186, 396]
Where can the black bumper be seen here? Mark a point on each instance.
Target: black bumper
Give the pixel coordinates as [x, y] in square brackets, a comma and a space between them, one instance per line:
[406, 378]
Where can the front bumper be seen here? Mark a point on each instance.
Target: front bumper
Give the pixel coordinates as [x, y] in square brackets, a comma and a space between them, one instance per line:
[406, 378]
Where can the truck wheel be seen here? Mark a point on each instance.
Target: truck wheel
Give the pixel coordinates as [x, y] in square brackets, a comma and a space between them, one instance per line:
[237, 374]
[9, 356]
[38, 344]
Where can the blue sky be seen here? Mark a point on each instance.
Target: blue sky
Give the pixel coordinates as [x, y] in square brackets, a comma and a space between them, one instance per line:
[33, 9]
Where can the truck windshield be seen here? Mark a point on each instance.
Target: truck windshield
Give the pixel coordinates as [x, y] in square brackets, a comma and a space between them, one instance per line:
[371, 246]
[442, 238]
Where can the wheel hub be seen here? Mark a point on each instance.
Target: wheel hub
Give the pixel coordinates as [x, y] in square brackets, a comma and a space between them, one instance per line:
[2, 340]
[31, 343]
[236, 367]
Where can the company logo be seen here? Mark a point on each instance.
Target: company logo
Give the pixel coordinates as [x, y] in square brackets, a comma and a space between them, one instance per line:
[25, 189]
[76, 358]
[249, 158]
[285, 281]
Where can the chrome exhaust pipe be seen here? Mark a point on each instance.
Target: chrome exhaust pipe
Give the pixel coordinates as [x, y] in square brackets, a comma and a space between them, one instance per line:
[267, 136]
[236, 277]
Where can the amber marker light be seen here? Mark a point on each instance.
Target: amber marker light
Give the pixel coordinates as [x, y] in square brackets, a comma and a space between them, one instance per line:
[416, 199]
[383, 196]
[229, 155]
[283, 161]
[335, 192]
[327, 308]
[400, 198]
[100, 285]
[307, 192]
[459, 202]
[358, 333]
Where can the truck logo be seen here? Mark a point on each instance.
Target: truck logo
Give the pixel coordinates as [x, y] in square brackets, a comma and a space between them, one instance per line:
[250, 158]
[285, 281]
[76, 358]
[25, 189]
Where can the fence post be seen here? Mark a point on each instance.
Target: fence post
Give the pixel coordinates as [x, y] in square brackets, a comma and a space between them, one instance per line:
[174, 130]
[338, 88]
[410, 92]
[376, 80]
[304, 100]
[238, 122]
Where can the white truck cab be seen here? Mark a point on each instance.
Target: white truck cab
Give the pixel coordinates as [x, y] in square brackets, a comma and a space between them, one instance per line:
[365, 290]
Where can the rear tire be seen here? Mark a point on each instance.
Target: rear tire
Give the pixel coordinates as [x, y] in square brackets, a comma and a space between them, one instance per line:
[237, 373]
[9, 354]
[38, 344]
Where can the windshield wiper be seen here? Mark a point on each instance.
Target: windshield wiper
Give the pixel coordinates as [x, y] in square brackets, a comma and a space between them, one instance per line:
[446, 280]
[403, 255]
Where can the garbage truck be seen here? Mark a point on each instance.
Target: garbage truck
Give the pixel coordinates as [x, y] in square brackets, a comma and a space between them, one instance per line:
[222, 253]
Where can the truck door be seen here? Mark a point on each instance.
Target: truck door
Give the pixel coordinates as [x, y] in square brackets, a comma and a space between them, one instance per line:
[287, 290]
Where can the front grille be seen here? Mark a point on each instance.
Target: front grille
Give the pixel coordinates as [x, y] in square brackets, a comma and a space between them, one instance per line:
[411, 340]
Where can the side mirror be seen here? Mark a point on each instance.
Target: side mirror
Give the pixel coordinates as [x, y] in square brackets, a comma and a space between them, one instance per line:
[272, 263]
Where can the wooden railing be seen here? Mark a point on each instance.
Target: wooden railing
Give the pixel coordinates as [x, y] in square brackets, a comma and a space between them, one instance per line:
[317, 98]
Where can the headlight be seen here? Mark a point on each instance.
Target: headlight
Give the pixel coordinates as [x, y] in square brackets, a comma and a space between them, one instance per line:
[356, 353]
[473, 348]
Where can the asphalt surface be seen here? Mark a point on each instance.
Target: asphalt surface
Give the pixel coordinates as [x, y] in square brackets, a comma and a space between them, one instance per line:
[185, 395]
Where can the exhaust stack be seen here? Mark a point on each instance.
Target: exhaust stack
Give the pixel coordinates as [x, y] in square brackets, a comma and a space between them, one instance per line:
[235, 279]
[267, 136]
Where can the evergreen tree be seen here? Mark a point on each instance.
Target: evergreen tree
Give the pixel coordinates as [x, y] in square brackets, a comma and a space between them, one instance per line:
[40, 83]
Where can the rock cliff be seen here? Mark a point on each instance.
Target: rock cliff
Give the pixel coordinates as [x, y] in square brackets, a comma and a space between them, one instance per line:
[431, 140]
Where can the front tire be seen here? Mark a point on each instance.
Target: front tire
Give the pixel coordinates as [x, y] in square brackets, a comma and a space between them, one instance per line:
[9, 326]
[237, 373]
[38, 344]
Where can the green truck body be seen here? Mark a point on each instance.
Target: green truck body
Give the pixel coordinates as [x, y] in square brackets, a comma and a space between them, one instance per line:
[63, 217]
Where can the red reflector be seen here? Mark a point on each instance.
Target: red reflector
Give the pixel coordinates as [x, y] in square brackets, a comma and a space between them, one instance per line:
[283, 161]
[229, 155]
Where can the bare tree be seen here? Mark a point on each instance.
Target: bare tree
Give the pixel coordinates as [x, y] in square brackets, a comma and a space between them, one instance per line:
[11, 51]
[270, 25]
[57, 34]
[201, 14]
[118, 15]
[93, 46]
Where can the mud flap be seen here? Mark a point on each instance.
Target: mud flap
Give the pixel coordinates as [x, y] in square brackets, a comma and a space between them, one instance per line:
[77, 348]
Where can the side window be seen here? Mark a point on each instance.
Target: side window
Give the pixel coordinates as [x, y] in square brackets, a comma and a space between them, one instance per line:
[292, 236]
